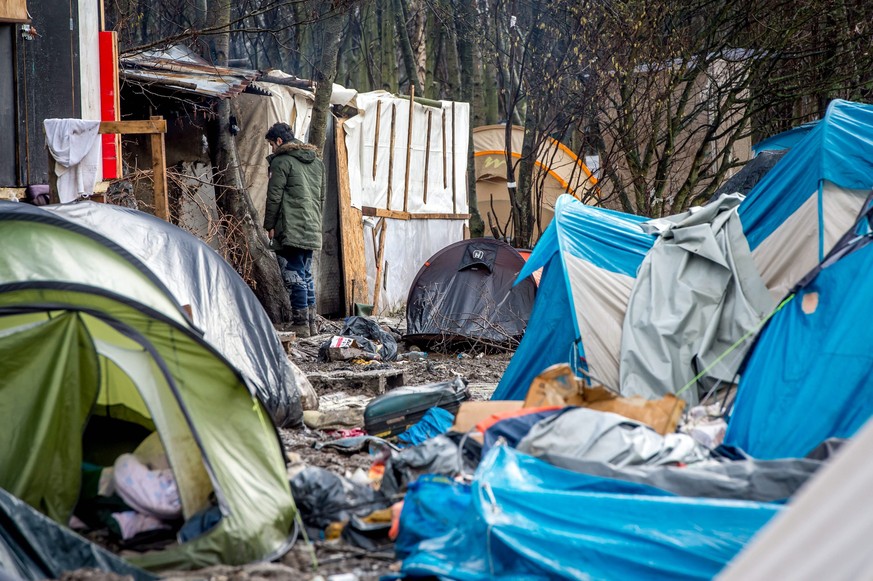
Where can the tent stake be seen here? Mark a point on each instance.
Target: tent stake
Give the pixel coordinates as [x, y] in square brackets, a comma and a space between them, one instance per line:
[376, 144]
[408, 147]
[427, 154]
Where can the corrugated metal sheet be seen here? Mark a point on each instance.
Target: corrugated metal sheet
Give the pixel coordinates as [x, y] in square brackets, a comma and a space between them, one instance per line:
[178, 68]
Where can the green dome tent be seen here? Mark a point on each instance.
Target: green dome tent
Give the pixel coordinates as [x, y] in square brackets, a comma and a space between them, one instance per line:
[88, 331]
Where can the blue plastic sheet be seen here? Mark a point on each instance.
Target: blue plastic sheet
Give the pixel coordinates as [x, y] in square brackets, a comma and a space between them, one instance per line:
[524, 519]
[810, 375]
[435, 422]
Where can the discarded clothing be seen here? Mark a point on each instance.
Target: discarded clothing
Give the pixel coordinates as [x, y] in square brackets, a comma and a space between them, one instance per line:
[150, 492]
[75, 146]
[524, 519]
[435, 422]
[131, 523]
[199, 523]
[355, 444]
[606, 437]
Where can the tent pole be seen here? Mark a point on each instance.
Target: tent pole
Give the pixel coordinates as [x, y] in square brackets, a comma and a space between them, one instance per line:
[427, 154]
[376, 145]
[408, 147]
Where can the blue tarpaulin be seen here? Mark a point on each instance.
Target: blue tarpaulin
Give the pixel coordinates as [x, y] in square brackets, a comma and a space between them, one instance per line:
[524, 519]
[435, 422]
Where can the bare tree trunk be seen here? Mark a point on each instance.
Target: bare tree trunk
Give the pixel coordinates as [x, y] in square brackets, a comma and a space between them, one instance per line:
[325, 74]
[463, 16]
[405, 45]
[232, 197]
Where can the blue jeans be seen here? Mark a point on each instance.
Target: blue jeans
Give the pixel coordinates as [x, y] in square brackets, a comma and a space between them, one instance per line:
[296, 267]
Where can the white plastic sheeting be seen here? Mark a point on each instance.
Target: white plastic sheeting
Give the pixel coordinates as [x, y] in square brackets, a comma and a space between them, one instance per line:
[408, 243]
[825, 532]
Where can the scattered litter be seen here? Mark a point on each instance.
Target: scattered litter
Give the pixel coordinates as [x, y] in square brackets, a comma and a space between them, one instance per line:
[333, 419]
[356, 444]
[439, 455]
[435, 422]
[324, 498]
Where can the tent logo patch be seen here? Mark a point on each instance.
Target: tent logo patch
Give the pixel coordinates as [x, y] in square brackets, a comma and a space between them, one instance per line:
[479, 255]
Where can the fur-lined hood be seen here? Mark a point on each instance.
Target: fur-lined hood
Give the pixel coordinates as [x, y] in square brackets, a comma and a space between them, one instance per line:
[305, 152]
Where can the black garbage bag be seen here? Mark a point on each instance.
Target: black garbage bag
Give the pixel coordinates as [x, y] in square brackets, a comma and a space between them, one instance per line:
[370, 329]
[323, 497]
[440, 455]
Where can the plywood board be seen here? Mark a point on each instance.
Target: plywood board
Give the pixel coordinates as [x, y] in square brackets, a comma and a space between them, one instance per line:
[354, 264]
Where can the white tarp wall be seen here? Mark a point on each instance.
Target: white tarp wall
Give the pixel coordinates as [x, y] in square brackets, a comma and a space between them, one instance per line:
[408, 243]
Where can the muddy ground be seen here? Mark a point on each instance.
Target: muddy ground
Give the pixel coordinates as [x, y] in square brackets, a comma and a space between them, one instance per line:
[335, 560]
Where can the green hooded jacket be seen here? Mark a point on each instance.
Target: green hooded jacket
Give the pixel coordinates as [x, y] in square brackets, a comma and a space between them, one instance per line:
[295, 195]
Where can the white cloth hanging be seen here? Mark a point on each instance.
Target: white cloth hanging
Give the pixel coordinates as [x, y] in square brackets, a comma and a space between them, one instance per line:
[75, 146]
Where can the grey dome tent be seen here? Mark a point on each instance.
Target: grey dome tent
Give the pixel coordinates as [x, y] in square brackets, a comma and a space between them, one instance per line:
[465, 292]
[87, 332]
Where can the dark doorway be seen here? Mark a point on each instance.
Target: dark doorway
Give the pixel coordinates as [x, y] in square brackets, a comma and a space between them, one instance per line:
[8, 121]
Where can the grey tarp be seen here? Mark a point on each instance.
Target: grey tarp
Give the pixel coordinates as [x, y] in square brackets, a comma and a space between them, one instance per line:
[697, 293]
[586, 434]
[221, 303]
[32, 546]
[755, 480]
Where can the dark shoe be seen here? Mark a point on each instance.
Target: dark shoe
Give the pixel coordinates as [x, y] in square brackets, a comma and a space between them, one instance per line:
[300, 323]
[313, 321]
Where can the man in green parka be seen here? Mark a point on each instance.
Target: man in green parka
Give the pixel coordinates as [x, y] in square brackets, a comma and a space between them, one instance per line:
[295, 195]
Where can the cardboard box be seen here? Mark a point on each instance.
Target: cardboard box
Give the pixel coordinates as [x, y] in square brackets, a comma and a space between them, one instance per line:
[472, 412]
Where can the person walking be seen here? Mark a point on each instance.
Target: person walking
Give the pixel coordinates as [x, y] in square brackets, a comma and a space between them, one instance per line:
[292, 219]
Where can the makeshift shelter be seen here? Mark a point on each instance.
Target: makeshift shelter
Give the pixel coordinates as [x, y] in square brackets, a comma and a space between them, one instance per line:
[88, 331]
[557, 170]
[466, 291]
[811, 366]
[405, 181]
[790, 220]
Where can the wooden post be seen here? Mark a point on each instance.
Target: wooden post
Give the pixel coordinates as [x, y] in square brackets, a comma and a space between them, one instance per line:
[159, 170]
[380, 255]
[391, 155]
[354, 263]
[376, 145]
[454, 166]
[427, 154]
[445, 173]
[408, 148]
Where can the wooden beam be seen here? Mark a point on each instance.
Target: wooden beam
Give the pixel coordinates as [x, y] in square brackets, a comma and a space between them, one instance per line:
[427, 155]
[423, 216]
[159, 171]
[153, 125]
[445, 173]
[383, 213]
[354, 264]
[380, 255]
[376, 144]
[391, 154]
[454, 165]
[408, 147]
[397, 215]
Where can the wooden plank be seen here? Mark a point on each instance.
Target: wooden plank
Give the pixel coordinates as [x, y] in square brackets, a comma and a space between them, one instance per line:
[427, 155]
[454, 165]
[445, 173]
[383, 213]
[391, 154]
[423, 216]
[354, 264]
[408, 147]
[159, 172]
[153, 125]
[380, 255]
[376, 144]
